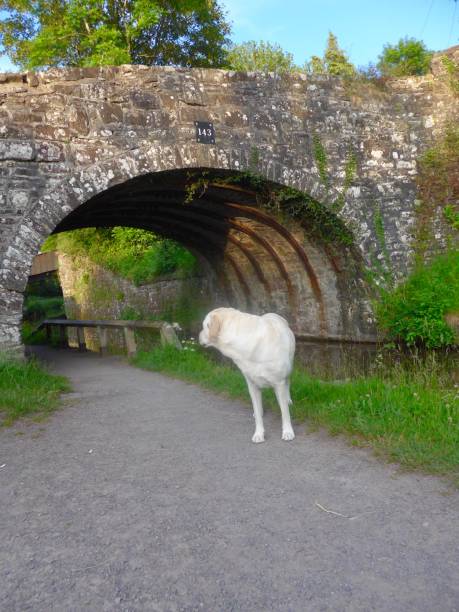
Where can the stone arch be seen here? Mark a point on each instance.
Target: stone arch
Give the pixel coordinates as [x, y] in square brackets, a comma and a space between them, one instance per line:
[85, 182]
[255, 275]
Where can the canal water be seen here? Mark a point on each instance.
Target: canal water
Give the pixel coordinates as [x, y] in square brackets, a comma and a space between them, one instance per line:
[339, 361]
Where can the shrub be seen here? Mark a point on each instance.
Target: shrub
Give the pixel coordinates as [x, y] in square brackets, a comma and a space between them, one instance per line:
[139, 255]
[409, 57]
[414, 311]
[263, 56]
[334, 62]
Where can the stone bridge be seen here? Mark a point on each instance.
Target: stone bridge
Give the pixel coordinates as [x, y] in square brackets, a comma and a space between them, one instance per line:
[118, 146]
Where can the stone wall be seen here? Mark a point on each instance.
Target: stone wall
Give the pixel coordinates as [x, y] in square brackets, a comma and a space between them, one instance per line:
[93, 292]
[69, 136]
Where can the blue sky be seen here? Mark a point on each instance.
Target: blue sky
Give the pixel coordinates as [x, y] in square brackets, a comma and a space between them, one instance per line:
[362, 26]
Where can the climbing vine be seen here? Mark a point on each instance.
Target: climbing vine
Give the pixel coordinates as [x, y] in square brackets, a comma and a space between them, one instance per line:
[286, 202]
[414, 312]
[438, 190]
[452, 71]
[385, 265]
[320, 157]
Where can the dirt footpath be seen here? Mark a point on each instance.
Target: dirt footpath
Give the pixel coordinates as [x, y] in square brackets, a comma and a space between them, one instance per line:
[145, 493]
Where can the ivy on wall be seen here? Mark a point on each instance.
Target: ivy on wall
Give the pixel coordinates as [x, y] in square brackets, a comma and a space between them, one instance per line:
[317, 219]
[418, 311]
[452, 73]
[438, 190]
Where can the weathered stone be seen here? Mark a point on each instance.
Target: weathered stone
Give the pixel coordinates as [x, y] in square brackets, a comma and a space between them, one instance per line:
[107, 296]
[83, 131]
[437, 63]
[11, 150]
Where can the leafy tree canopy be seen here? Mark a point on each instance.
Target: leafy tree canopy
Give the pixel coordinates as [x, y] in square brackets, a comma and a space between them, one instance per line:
[262, 56]
[334, 61]
[43, 33]
[408, 57]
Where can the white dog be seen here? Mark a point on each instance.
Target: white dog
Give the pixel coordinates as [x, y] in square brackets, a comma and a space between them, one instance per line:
[263, 349]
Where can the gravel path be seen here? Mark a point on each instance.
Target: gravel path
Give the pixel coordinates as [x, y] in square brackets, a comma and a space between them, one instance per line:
[145, 493]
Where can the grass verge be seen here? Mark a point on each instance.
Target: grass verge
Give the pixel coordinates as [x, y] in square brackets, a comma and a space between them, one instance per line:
[26, 388]
[406, 416]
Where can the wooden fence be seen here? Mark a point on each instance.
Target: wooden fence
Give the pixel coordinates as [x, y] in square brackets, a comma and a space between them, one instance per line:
[166, 330]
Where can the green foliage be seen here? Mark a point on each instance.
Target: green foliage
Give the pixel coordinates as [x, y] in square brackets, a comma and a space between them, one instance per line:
[136, 254]
[334, 62]
[408, 57]
[451, 216]
[350, 170]
[26, 388]
[254, 159]
[320, 157]
[452, 70]
[408, 416]
[42, 300]
[414, 311]
[383, 269]
[317, 219]
[438, 188]
[45, 285]
[262, 56]
[97, 33]
[37, 308]
[316, 65]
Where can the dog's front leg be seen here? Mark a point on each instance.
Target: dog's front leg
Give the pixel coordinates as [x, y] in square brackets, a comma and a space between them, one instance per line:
[255, 394]
[283, 397]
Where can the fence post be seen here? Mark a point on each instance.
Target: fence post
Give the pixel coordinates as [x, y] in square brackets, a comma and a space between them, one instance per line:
[129, 339]
[103, 345]
[81, 340]
[168, 336]
[63, 336]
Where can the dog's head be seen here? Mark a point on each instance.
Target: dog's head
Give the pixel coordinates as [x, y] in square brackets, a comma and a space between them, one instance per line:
[211, 328]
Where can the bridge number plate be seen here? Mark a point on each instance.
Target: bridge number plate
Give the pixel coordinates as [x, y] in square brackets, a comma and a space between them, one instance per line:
[205, 132]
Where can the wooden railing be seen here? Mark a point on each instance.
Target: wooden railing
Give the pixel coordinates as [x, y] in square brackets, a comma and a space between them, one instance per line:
[166, 330]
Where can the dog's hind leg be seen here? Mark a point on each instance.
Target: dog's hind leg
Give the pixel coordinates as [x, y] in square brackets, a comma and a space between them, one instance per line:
[282, 392]
[255, 394]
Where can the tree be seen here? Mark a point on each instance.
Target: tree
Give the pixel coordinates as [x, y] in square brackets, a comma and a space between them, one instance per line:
[262, 56]
[334, 61]
[43, 33]
[408, 57]
[186, 38]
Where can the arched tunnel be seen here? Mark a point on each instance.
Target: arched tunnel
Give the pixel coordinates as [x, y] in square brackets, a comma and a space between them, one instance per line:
[259, 258]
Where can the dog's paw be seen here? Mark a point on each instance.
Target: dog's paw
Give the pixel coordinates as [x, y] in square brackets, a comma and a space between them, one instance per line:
[288, 435]
[258, 437]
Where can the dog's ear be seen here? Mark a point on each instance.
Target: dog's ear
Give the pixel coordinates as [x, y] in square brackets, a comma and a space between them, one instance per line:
[214, 326]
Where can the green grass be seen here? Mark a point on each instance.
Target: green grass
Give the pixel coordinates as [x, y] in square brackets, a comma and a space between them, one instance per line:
[27, 389]
[406, 415]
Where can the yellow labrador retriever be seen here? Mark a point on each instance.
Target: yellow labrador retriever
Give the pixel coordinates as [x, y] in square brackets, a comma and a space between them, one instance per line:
[263, 349]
